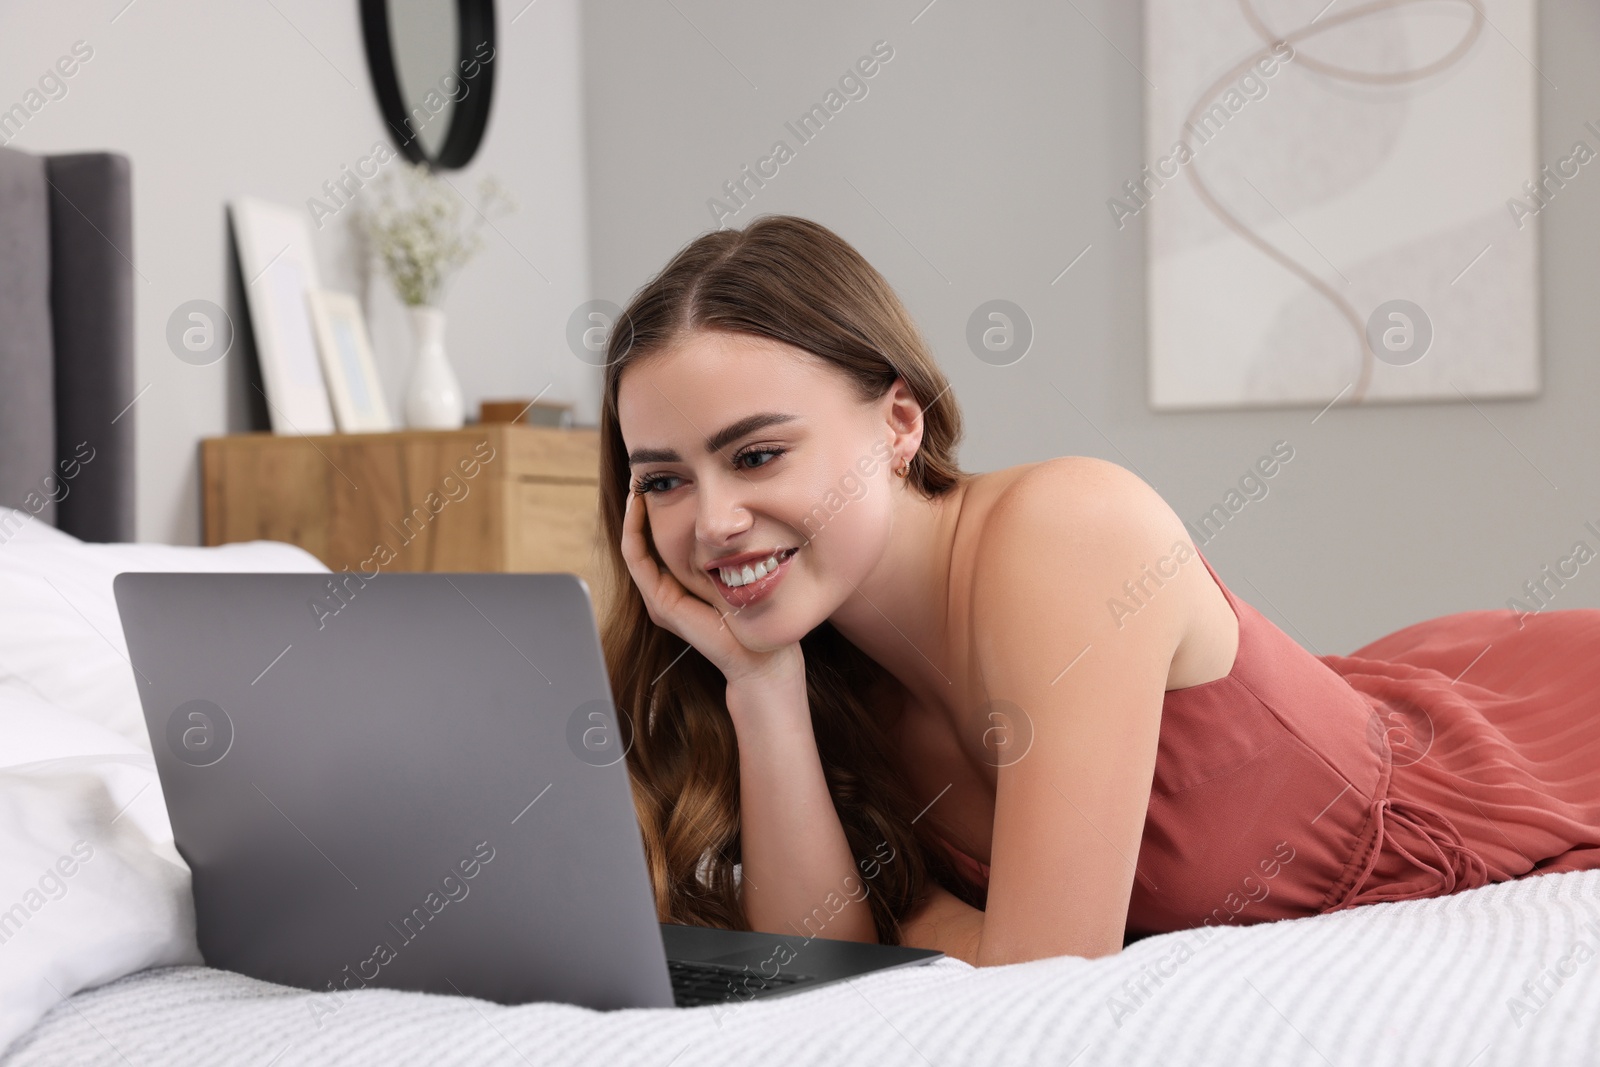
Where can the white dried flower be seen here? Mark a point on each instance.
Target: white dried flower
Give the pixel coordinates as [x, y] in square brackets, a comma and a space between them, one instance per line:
[422, 229]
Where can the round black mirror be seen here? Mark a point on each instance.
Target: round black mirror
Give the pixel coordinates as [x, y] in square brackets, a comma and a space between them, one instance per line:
[432, 65]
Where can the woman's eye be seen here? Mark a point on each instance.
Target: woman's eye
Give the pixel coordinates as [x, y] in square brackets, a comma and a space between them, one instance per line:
[646, 486]
[774, 452]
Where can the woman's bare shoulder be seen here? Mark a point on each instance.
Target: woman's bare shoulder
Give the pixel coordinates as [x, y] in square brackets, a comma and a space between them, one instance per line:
[1100, 512]
[1070, 486]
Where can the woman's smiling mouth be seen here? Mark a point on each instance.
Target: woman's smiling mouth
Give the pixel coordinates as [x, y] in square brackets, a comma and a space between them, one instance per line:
[748, 583]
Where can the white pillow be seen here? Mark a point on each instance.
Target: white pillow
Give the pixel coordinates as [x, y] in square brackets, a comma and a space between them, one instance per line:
[91, 885]
[61, 640]
[87, 892]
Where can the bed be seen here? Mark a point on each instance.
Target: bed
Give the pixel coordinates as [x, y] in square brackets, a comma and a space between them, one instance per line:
[1422, 982]
[108, 972]
[98, 961]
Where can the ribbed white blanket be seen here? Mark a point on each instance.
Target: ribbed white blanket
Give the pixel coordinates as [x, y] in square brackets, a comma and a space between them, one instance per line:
[1507, 974]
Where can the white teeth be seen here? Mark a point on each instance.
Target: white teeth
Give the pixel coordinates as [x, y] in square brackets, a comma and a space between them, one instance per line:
[747, 574]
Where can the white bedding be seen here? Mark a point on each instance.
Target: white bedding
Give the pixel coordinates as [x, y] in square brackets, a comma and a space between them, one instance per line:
[105, 970]
[1419, 982]
[91, 887]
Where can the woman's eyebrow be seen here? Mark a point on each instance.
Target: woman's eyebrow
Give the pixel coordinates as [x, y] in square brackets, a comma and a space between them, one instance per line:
[717, 441]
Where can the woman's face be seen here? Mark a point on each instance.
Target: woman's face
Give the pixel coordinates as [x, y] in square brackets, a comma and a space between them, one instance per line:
[816, 478]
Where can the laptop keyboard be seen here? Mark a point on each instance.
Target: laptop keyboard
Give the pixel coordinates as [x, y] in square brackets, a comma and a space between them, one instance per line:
[695, 984]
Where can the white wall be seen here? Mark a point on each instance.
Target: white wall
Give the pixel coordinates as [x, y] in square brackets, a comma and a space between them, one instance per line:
[214, 100]
[978, 166]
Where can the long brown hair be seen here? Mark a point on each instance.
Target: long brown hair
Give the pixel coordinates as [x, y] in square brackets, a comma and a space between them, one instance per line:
[795, 281]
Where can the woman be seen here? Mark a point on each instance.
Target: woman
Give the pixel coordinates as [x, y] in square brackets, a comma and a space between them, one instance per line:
[1014, 714]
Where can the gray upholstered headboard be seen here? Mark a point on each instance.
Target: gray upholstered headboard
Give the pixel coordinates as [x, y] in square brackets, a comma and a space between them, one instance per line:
[66, 342]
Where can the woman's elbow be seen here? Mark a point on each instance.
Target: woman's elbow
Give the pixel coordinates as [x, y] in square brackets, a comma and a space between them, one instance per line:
[997, 952]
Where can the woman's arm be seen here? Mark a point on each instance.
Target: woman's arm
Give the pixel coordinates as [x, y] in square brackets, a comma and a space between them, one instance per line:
[945, 922]
[1066, 539]
[797, 875]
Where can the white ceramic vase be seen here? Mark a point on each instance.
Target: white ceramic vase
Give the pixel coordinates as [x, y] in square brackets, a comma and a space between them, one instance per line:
[433, 396]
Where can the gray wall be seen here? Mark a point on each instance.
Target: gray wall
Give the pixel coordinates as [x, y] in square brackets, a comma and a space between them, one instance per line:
[214, 100]
[978, 166]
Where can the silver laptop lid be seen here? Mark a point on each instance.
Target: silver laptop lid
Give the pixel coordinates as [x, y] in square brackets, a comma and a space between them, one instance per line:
[413, 781]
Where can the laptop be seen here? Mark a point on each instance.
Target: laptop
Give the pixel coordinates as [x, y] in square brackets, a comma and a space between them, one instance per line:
[417, 781]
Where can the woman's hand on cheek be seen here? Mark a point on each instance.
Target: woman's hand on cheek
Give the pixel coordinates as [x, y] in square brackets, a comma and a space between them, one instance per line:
[675, 608]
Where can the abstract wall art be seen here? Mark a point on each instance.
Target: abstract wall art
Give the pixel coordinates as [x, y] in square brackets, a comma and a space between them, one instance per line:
[1341, 205]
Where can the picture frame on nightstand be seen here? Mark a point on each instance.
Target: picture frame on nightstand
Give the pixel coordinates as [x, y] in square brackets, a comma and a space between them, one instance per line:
[347, 365]
[278, 267]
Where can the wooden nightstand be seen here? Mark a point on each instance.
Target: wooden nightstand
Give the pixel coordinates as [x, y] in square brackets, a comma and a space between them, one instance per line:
[492, 497]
